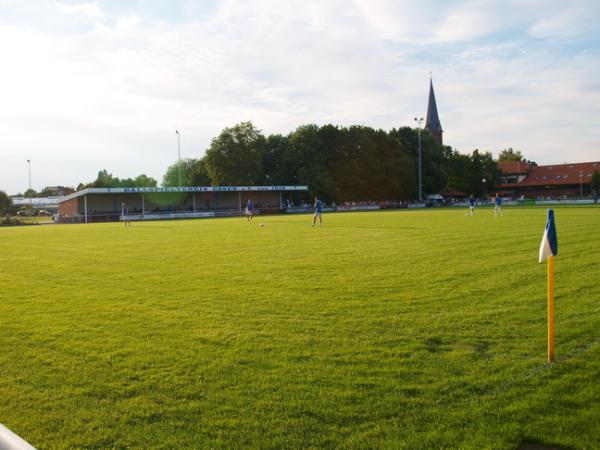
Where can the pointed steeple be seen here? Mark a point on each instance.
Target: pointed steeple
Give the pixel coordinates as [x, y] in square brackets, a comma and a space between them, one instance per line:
[432, 123]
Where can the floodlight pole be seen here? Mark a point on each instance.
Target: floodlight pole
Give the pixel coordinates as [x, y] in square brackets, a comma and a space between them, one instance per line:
[581, 183]
[30, 199]
[419, 122]
[178, 156]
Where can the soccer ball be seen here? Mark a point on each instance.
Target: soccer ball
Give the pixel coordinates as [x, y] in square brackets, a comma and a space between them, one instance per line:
[261, 224]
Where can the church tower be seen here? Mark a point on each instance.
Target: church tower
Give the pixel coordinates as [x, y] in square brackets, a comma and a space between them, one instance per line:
[432, 123]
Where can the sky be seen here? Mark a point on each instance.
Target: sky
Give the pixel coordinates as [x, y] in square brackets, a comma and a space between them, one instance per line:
[91, 85]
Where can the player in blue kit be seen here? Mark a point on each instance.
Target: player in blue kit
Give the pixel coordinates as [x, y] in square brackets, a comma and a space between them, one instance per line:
[498, 207]
[318, 211]
[125, 214]
[471, 206]
[249, 210]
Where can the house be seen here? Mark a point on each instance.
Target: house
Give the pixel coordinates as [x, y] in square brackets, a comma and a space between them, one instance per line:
[558, 180]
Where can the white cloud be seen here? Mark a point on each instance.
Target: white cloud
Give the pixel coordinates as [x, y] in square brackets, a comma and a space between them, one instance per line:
[84, 13]
[568, 20]
[81, 93]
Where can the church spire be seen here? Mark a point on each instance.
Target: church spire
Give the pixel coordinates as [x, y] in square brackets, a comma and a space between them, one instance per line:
[432, 123]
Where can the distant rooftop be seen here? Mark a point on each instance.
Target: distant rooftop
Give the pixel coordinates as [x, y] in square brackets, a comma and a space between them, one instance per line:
[550, 175]
[37, 202]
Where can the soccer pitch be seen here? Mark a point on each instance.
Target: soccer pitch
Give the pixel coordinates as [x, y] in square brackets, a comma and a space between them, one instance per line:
[402, 329]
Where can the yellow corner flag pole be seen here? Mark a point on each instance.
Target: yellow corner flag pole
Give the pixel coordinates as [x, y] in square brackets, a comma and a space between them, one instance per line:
[549, 249]
[551, 309]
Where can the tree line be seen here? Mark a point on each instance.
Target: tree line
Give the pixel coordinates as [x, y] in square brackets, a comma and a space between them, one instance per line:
[337, 163]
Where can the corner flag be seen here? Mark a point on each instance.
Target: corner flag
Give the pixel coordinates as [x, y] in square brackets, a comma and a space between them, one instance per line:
[549, 246]
[548, 249]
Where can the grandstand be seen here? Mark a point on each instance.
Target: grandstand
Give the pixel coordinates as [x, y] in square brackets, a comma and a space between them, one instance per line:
[147, 203]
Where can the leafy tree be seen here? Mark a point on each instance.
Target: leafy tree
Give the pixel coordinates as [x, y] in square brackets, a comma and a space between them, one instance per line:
[406, 146]
[235, 156]
[5, 202]
[491, 173]
[171, 177]
[483, 175]
[434, 174]
[30, 193]
[308, 152]
[433, 164]
[107, 180]
[58, 190]
[142, 180]
[508, 154]
[355, 163]
[199, 175]
[278, 167]
[458, 168]
[46, 192]
[595, 182]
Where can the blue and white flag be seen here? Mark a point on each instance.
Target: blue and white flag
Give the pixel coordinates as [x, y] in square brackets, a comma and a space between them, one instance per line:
[549, 246]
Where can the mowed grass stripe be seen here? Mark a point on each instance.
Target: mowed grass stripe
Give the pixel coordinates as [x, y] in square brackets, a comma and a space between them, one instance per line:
[400, 329]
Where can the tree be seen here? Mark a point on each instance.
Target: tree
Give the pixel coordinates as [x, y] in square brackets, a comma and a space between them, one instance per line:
[30, 193]
[143, 180]
[5, 202]
[458, 169]
[107, 180]
[103, 180]
[434, 174]
[235, 157]
[199, 175]
[277, 166]
[50, 191]
[595, 182]
[309, 155]
[508, 154]
[490, 174]
[171, 177]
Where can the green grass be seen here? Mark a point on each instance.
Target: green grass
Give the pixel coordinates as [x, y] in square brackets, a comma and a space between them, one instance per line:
[407, 329]
[33, 219]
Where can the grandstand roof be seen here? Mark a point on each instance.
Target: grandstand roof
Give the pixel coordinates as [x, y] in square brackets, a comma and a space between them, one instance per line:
[143, 190]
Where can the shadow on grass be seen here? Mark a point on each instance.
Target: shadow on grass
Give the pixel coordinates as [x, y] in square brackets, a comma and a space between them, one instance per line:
[136, 225]
[374, 227]
[532, 445]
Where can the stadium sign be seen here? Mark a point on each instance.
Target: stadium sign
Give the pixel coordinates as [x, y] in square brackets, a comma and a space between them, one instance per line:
[203, 189]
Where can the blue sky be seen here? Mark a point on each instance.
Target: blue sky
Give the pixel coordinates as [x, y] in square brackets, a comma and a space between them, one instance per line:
[90, 85]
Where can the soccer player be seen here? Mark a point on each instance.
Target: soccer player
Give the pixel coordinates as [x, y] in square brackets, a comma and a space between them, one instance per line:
[498, 207]
[318, 210]
[471, 206]
[125, 214]
[249, 210]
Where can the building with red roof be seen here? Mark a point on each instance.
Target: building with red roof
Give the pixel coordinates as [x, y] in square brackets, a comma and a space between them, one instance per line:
[558, 180]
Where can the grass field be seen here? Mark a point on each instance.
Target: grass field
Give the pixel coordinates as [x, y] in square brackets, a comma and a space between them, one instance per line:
[406, 329]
